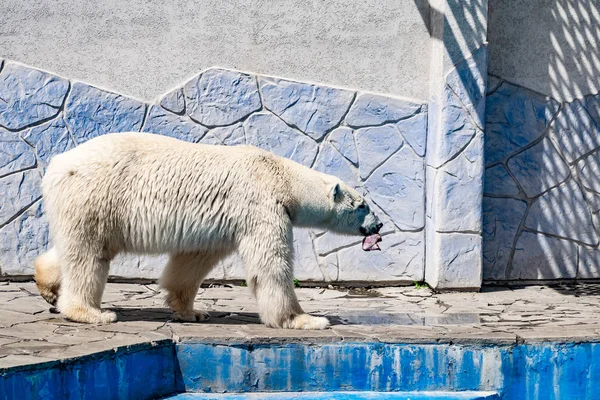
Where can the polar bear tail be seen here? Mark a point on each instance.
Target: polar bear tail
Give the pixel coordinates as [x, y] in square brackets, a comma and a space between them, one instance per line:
[47, 275]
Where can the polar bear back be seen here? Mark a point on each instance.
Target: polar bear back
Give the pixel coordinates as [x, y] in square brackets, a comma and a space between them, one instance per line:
[141, 192]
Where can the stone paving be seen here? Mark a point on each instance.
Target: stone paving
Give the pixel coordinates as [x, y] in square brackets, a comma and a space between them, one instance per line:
[30, 332]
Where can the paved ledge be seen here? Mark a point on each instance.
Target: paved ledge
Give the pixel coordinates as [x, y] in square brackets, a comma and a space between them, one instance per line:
[30, 333]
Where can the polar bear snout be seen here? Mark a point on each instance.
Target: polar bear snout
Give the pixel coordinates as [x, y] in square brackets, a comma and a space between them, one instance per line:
[371, 225]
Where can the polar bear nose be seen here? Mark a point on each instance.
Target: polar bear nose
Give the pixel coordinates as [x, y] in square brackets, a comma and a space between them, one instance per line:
[378, 227]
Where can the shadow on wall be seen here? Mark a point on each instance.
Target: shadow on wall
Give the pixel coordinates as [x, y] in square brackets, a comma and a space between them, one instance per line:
[462, 34]
[542, 141]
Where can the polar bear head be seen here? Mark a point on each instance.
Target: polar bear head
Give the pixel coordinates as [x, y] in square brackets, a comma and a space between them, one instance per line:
[350, 213]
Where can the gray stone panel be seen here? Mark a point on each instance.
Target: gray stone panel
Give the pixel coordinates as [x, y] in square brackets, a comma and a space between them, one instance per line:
[563, 212]
[538, 168]
[501, 221]
[539, 256]
[515, 117]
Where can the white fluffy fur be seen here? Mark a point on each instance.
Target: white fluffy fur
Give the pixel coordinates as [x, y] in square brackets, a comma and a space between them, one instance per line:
[144, 193]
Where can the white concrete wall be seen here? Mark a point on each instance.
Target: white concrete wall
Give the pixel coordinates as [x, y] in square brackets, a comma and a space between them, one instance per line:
[142, 48]
[550, 46]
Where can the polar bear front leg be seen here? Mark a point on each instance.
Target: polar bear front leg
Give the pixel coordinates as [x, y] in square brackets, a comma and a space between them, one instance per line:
[181, 278]
[269, 266]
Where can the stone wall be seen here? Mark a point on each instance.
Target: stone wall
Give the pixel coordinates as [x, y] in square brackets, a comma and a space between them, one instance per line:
[542, 141]
[542, 185]
[374, 143]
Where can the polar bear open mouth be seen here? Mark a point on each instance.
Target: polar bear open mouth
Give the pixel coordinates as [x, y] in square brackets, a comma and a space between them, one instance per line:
[370, 242]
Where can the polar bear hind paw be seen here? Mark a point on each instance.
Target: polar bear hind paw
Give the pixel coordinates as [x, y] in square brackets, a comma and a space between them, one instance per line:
[191, 316]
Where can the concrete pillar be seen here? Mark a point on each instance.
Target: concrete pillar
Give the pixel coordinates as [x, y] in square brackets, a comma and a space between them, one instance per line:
[454, 170]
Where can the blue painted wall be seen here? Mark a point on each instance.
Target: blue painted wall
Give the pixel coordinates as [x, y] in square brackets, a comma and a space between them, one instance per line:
[549, 371]
[136, 372]
[539, 371]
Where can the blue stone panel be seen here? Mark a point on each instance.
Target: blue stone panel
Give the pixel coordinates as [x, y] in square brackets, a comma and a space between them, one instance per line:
[460, 188]
[574, 132]
[174, 101]
[397, 187]
[15, 154]
[414, 131]
[211, 139]
[304, 122]
[454, 128]
[219, 97]
[29, 96]
[18, 190]
[343, 140]
[588, 172]
[22, 240]
[92, 112]
[375, 145]
[371, 109]
[230, 135]
[49, 139]
[268, 132]
[315, 110]
[179, 127]
[330, 161]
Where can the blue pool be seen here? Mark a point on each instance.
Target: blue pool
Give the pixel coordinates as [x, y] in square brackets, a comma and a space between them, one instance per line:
[399, 371]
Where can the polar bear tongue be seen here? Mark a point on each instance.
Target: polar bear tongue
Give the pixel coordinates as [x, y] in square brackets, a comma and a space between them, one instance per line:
[370, 242]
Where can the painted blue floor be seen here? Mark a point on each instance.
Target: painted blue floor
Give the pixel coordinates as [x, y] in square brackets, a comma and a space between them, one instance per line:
[342, 396]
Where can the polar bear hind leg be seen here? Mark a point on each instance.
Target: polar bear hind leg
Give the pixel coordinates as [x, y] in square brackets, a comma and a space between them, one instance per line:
[182, 278]
[84, 276]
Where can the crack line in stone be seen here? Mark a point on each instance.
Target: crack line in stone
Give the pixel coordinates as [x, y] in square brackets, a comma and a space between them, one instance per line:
[465, 108]
[342, 120]
[518, 234]
[391, 121]
[556, 236]
[34, 167]
[145, 117]
[20, 212]
[459, 152]
[381, 163]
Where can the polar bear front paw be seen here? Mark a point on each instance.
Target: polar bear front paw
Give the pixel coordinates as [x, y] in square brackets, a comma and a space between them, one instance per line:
[89, 315]
[307, 321]
[191, 316]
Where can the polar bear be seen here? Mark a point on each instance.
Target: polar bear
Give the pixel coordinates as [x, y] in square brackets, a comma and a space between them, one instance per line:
[151, 194]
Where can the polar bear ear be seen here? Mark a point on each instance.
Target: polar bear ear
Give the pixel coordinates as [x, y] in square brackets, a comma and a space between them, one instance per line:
[336, 193]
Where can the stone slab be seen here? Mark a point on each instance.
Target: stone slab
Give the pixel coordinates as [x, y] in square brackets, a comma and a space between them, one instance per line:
[527, 314]
[29, 96]
[515, 117]
[314, 110]
[221, 97]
